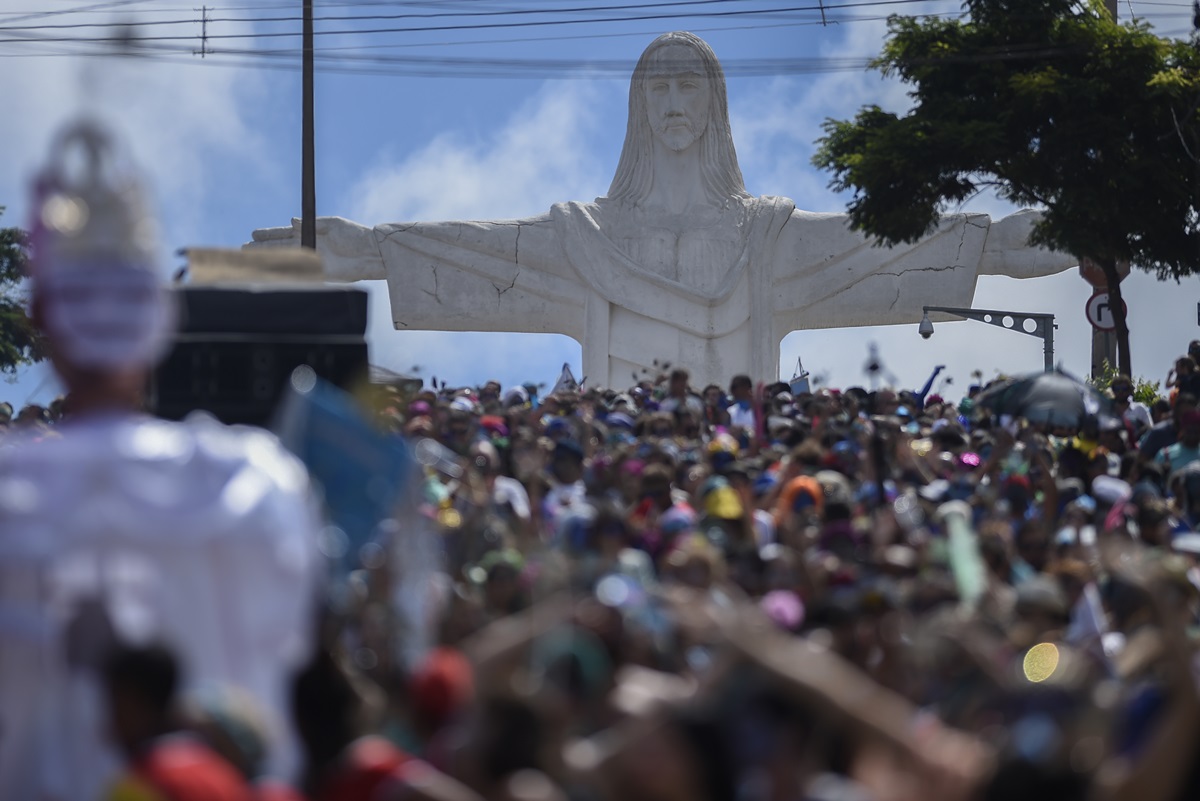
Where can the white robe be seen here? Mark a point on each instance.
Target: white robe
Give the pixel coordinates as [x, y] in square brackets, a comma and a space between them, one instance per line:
[194, 534]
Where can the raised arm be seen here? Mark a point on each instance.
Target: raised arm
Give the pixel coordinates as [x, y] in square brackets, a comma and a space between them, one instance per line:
[488, 275]
[828, 276]
[1007, 251]
[349, 251]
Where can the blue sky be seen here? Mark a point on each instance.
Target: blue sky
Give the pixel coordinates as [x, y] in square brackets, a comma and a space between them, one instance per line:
[218, 137]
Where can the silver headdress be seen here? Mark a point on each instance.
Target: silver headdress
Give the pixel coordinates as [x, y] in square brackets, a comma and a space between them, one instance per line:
[95, 263]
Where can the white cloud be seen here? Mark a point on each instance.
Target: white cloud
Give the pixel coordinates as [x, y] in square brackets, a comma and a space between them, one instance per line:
[776, 125]
[539, 156]
[181, 125]
[177, 121]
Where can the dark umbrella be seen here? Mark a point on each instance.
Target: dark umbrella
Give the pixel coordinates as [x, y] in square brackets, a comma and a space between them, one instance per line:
[1054, 399]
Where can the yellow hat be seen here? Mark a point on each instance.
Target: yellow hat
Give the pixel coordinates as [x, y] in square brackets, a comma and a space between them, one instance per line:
[724, 503]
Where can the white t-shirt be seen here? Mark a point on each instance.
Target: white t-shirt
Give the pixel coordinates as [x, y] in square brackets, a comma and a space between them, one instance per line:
[510, 491]
[689, 403]
[1139, 415]
[193, 534]
[740, 417]
[764, 527]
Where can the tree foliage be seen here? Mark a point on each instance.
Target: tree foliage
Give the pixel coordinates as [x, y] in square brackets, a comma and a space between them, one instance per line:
[1050, 103]
[1144, 390]
[20, 342]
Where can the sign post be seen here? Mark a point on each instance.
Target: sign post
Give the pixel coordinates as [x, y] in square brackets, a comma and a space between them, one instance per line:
[1104, 340]
[1099, 312]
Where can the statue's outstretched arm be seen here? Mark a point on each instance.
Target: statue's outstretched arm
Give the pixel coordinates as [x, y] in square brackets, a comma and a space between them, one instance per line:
[349, 251]
[1007, 250]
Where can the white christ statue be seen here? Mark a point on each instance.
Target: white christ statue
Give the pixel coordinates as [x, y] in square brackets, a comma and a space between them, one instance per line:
[678, 262]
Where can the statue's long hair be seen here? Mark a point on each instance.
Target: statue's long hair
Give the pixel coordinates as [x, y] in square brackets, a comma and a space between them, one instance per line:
[718, 160]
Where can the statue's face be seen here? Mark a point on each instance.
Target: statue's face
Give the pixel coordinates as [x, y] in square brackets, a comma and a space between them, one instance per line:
[677, 96]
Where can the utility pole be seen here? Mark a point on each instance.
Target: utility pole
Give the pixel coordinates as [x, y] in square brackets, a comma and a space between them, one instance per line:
[308, 183]
[1104, 343]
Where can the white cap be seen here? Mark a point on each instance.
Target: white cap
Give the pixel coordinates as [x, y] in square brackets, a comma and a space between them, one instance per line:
[517, 396]
[463, 404]
[1110, 491]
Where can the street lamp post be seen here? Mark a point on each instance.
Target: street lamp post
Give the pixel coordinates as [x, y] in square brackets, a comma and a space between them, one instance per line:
[1043, 325]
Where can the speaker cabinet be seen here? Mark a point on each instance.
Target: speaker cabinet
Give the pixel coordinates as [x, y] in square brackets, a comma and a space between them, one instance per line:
[237, 347]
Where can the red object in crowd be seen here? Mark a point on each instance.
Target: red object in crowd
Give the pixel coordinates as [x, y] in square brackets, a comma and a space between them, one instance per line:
[179, 768]
[370, 765]
[441, 686]
[271, 790]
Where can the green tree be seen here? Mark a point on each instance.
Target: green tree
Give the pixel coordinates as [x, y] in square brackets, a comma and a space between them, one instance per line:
[20, 342]
[1144, 390]
[1050, 103]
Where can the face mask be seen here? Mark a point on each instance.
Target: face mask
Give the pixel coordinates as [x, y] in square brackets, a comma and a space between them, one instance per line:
[106, 317]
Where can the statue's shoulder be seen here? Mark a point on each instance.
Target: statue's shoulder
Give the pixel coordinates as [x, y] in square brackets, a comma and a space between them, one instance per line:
[771, 201]
[573, 213]
[770, 210]
[597, 206]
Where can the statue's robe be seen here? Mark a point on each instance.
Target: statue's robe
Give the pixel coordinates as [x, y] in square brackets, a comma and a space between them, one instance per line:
[716, 295]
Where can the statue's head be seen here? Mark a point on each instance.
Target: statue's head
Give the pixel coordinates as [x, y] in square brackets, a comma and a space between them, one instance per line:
[677, 96]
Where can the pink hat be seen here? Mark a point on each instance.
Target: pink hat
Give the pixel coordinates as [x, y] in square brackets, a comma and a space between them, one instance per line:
[784, 608]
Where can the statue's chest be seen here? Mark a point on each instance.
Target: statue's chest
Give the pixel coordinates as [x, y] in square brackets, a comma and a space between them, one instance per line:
[700, 257]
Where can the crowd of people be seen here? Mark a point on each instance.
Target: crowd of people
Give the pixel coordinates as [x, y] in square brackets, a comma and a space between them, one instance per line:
[671, 593]
[728, 593]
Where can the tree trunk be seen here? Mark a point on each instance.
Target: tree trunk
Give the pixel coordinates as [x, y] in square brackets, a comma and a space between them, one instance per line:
[1117, 304]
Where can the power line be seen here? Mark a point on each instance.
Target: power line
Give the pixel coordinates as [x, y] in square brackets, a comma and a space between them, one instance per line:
[378, 17]
[78, 9]
[480, 26]
[453, 67]
[124, 24]
[428, 66]
[280, 4]
[142, 41]
[488, 67]
[479, 71]
[476, 42]
[529, 11]
[588, 36]
[474, 68]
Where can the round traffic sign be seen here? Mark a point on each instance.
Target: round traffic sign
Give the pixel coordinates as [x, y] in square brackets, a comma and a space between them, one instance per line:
[1099, 312]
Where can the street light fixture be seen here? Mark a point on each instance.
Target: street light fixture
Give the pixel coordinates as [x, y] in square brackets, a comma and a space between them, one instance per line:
[1043, 325]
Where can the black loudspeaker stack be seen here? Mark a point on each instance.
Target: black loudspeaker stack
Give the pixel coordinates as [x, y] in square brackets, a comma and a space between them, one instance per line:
[237, 347]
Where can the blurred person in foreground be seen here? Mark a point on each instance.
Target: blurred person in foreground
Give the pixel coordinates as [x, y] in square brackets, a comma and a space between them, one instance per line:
[128, 528]
[163, 762]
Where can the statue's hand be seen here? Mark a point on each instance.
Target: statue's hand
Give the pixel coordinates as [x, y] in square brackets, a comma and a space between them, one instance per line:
[1007, 250]
[349, 251]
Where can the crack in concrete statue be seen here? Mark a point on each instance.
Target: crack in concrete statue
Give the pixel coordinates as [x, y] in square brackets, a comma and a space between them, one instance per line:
[678, 262]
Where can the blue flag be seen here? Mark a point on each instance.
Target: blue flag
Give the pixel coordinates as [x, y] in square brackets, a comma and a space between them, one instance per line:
[362, 471]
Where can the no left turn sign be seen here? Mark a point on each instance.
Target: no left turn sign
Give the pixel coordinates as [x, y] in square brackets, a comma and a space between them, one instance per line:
[1099, 312]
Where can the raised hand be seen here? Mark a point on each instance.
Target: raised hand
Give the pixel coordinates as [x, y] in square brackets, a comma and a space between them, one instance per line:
[349, 251]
